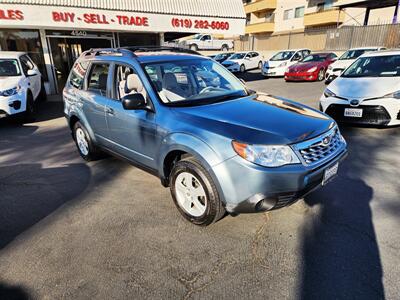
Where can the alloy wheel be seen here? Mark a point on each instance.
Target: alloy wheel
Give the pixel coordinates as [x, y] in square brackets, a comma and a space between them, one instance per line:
[82, 142]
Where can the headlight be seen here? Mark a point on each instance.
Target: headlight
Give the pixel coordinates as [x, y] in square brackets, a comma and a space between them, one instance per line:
[283, 64]
[395, 95]
[10, 92]
[313, 69]
[267, 156]
[328, 93]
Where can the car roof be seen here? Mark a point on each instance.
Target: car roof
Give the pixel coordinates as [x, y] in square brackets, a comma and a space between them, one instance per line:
[382, 53]
[363, 48]
[161, 56]
[11, 54]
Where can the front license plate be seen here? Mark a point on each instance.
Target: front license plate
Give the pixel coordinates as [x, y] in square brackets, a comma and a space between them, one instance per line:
[271, 73]
[330, 173]
[353, 112]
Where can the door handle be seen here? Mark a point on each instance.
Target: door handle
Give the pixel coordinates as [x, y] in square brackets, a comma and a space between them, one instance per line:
[110, 111]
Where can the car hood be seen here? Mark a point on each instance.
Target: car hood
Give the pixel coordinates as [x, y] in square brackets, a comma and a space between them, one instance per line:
[367, 87]
[342, 64]
[274, 63]
[258, 119]
[304, 66]
[231, 61]
[9, 82]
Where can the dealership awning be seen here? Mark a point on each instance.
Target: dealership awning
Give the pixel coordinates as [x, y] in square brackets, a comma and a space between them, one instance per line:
[225, 17]
[206, 8]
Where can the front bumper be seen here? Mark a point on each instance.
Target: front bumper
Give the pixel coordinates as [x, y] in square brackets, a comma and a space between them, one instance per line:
[233, 68]
[379, 112]
[11, 105]
[273, 71]
[250, 188]
[301, 76]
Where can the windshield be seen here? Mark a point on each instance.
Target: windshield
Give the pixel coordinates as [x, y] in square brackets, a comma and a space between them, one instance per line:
[222, 56]
[9, 67]
[193, 82]
[353, 54]
[376, 66]
[237, 56]
[283, 55]
[197, 36]
[314, 57]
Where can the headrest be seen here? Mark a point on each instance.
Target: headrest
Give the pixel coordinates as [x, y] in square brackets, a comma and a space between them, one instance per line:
[133, 82]
[169, 80]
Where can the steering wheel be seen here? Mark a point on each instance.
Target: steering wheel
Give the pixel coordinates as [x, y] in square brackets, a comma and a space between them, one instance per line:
[209, 89]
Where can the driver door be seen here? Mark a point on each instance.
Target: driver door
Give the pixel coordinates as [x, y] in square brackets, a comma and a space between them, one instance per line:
[131, 132]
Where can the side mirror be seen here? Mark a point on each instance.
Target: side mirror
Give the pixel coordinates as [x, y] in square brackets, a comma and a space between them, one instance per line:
[134, 102]
[31, 72]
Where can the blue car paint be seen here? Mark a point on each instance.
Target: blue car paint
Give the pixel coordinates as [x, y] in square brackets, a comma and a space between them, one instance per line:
[207, 131]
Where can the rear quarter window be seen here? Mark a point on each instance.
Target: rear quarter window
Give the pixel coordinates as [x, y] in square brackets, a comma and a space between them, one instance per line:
[77, 75]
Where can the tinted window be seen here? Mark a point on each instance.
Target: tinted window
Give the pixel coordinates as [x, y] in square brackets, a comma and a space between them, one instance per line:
[283, 55]
[254, 54]
[353, 54]
[9, 67]
[78, 74]
[97, 81]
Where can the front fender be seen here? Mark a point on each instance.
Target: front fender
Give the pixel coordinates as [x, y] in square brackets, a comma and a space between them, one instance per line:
[194, 146]
[74, 112]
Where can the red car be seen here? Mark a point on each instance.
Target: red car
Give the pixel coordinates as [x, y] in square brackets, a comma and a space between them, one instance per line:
[311, 67]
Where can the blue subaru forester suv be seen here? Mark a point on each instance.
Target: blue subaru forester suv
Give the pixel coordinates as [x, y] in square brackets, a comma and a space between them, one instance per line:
[219, 146]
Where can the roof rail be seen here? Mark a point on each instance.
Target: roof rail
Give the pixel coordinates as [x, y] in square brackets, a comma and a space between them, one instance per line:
[109, 51]
[160, 48]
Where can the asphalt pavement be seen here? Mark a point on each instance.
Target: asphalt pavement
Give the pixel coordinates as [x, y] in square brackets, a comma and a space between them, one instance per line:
[107, 230]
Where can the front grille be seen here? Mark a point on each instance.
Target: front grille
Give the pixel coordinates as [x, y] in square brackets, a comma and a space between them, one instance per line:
[321, 148]
[372, 114]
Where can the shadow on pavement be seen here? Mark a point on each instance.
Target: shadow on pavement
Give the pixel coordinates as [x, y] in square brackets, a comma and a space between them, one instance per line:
[341, 257]
[253, 75]
[30, 192]
[8, 292]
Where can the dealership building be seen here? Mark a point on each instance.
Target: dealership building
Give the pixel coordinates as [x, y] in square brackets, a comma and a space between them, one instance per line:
[55, 32]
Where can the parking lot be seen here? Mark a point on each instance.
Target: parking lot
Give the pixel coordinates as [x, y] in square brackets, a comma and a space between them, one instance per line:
[107, 230]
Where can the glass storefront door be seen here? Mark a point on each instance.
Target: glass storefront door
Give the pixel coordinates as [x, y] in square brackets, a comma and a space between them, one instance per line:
[65, 50]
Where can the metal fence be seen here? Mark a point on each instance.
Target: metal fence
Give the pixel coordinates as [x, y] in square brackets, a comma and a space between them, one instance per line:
[386, 35]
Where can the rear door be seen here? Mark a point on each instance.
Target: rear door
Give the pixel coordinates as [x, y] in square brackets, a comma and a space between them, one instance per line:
[132, 132]
[94, 99]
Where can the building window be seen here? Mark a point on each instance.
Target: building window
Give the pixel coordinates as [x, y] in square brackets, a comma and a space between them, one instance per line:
[248, 18]
[288, 14]
[27, 41]
[299, 12]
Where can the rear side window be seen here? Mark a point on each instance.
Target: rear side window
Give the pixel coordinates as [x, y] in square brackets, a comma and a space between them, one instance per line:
[97, 82]
[78, 74]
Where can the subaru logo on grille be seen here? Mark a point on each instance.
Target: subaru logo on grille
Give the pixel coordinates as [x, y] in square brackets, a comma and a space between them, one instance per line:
[354, 102]
[326, 140]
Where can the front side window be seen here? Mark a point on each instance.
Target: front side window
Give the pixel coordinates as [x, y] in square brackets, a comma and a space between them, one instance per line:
[375, 66]
[97, 81]
[9, 67]
[283, 55]
[127, 82]
[193, 82]
[237, 56]
[77, 75]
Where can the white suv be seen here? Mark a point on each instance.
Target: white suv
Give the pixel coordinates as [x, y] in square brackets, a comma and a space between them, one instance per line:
[21, 84]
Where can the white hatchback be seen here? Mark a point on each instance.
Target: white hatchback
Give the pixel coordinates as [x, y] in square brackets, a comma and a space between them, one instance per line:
[367, 92]
[243, 61]
[21, 84]
[277, 65]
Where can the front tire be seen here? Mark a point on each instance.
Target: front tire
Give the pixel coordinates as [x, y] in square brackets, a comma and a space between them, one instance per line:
[194, 47]
[29, 114]
[242, 68]
[321, 75]
[224, 48]
[84, 143]
[42, 95]
[260, 65]
[194, 193]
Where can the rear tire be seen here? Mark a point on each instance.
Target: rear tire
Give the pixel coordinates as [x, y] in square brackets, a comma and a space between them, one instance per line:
[86, 147]
[194, 193]
[224, 48]
[260, 65]
[42, 95]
